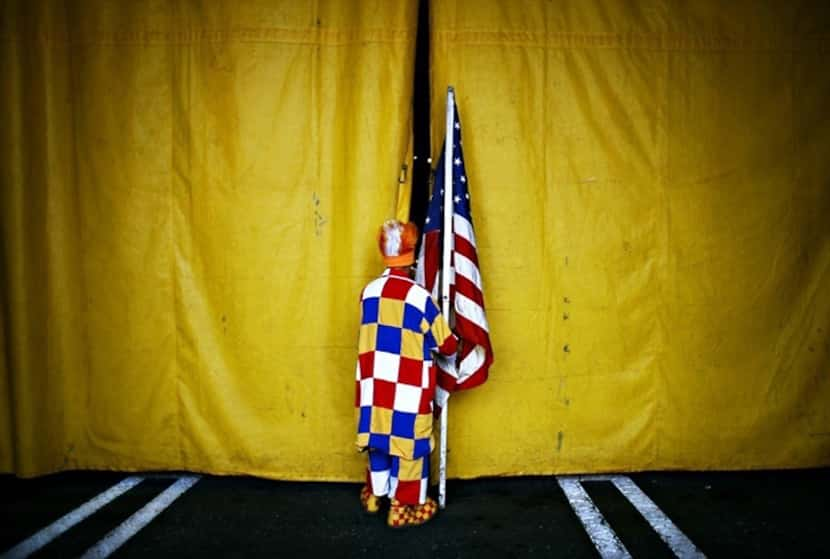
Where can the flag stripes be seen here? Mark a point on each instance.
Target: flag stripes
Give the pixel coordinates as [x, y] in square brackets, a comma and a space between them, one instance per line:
[467, 312]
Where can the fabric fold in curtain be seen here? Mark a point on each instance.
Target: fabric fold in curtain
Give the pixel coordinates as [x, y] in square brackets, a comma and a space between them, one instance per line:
[191, 192]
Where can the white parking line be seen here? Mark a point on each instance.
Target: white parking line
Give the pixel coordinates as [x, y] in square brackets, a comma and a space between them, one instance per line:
[662, 524]
[64, 523]
[605, 540]
[140, 519]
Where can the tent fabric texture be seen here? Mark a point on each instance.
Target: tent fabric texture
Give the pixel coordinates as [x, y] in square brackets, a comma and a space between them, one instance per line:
[191, 196]
[191, 193]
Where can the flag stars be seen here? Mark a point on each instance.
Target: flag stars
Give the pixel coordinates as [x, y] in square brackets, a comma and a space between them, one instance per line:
[457, 125]
[457, 199]
[457, 161]
[427, 220]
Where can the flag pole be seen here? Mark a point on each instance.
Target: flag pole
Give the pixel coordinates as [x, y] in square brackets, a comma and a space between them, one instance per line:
[446, 271]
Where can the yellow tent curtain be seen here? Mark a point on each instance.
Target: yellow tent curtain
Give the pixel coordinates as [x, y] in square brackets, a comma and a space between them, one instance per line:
[191, 191]
[650, 188]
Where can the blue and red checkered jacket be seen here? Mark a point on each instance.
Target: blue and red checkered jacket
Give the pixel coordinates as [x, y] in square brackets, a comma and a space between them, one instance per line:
[400, 327]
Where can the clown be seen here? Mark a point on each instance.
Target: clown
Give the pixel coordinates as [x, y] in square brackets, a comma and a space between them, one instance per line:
[400, 327]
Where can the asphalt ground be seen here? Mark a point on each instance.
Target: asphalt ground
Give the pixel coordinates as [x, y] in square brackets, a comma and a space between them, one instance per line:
[738, 514]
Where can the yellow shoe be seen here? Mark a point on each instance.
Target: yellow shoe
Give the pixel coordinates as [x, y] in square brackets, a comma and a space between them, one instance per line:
[401, 516]
[424, 513]
[369, 501]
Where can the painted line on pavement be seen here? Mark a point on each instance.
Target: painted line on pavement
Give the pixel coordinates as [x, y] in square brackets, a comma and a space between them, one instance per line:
[681, 545]
[605, 540]
[140, 519]
[67, 521]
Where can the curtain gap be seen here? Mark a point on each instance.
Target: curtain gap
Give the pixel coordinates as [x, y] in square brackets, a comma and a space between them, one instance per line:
[421, 169]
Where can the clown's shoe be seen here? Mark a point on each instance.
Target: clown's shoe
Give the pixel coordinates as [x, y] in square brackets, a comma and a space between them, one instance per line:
[369, 501]
[401, 515]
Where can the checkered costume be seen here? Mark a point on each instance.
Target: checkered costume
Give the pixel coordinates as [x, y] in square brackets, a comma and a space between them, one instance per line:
[395, 383]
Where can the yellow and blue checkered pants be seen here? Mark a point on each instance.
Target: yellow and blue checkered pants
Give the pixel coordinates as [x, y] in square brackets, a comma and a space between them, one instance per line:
[398, 478]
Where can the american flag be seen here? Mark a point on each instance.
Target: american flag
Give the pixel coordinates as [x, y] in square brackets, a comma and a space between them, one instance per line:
[467, 316]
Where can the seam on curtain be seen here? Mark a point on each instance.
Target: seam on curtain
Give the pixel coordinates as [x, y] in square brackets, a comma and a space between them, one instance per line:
[306, 36]
[179, 73]
[663, 164]
[82, 431]
[628, 41]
